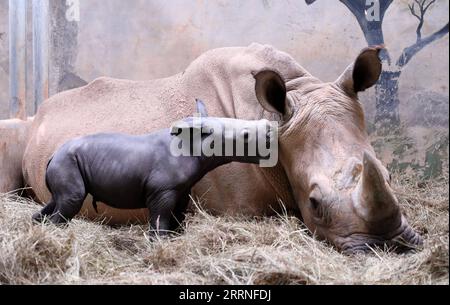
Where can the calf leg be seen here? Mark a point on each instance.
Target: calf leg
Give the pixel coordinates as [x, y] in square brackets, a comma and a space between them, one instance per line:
[67, 208]
[161, 210]
[68, 190]
[179, 213]
[47, 211]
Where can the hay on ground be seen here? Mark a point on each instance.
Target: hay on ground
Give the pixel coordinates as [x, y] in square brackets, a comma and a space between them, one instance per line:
[218, 250]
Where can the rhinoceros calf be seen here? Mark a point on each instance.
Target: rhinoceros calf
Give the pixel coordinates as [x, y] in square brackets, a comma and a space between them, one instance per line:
[150, 171]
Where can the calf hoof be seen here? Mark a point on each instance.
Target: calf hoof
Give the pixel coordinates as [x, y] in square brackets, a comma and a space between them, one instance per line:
[37, 218]
[157, 235]
[59, 221]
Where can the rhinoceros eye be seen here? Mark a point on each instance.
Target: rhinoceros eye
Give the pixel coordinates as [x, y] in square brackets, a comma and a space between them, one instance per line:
[315, 204]
[321, 212]
[317, 207]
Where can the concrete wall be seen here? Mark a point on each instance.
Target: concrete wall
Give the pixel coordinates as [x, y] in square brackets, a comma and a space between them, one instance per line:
[4, 66]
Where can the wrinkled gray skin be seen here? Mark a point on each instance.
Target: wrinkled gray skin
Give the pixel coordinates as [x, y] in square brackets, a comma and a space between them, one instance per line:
[134, 172]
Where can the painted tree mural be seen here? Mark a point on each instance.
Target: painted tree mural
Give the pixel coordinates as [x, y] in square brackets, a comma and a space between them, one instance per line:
[387, 98]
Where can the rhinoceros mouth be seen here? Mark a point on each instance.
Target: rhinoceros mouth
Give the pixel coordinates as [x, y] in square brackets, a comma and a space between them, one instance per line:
[405, 241]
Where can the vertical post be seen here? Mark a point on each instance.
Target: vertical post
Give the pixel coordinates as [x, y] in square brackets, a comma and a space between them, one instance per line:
[18, 57]
[63, 36]
[40, 51]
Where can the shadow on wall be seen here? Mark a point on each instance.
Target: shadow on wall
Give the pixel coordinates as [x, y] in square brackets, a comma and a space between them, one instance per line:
[421, 143]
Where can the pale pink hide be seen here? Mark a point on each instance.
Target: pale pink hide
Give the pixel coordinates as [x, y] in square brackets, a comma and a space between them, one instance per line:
[13, 138]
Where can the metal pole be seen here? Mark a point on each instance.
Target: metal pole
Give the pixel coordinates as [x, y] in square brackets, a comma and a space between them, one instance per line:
[40, 51]
[17, 57]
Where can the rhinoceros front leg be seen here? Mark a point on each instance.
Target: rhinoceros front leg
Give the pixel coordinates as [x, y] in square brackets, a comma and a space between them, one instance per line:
[179, 214]
[162, 208]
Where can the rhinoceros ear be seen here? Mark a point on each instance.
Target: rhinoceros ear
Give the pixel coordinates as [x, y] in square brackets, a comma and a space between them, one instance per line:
[363, 73]
[271, 92]
[201, 108]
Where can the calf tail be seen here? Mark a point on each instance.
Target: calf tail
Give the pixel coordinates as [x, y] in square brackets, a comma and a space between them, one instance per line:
[46, 177]
[94, 204]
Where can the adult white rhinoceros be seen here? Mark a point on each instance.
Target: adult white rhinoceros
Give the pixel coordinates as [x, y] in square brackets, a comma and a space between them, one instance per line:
[327, 168]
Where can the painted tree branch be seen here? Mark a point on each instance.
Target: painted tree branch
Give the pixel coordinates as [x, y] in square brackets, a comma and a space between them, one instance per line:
[358, 8]
[372, 30]
[423, 5]
[409, 52]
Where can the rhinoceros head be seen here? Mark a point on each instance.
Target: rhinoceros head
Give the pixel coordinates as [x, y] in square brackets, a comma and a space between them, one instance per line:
[342, 190]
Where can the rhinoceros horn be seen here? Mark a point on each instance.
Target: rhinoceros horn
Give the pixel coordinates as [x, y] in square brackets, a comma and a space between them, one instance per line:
[374, 198]
[375, 202]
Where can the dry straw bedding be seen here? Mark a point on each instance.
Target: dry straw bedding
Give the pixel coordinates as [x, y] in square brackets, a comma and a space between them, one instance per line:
[218, 250]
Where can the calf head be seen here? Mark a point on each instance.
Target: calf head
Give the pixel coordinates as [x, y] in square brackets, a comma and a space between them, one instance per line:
[342, 190]
[226, 139]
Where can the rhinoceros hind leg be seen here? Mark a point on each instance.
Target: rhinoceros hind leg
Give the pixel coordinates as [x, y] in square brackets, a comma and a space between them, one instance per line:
[68, 192]
[67, 208]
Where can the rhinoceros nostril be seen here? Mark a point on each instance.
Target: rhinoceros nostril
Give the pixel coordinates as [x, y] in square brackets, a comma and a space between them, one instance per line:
[411, 237]
[419, 240]
[408, 241]
[364, 244]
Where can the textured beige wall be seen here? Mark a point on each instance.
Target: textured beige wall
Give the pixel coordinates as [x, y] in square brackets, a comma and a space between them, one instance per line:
[152, 38]
[144, 39]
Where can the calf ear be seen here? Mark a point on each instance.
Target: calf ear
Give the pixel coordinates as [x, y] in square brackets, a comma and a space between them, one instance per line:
[363, 73]
[201, 108]
[271, 92]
